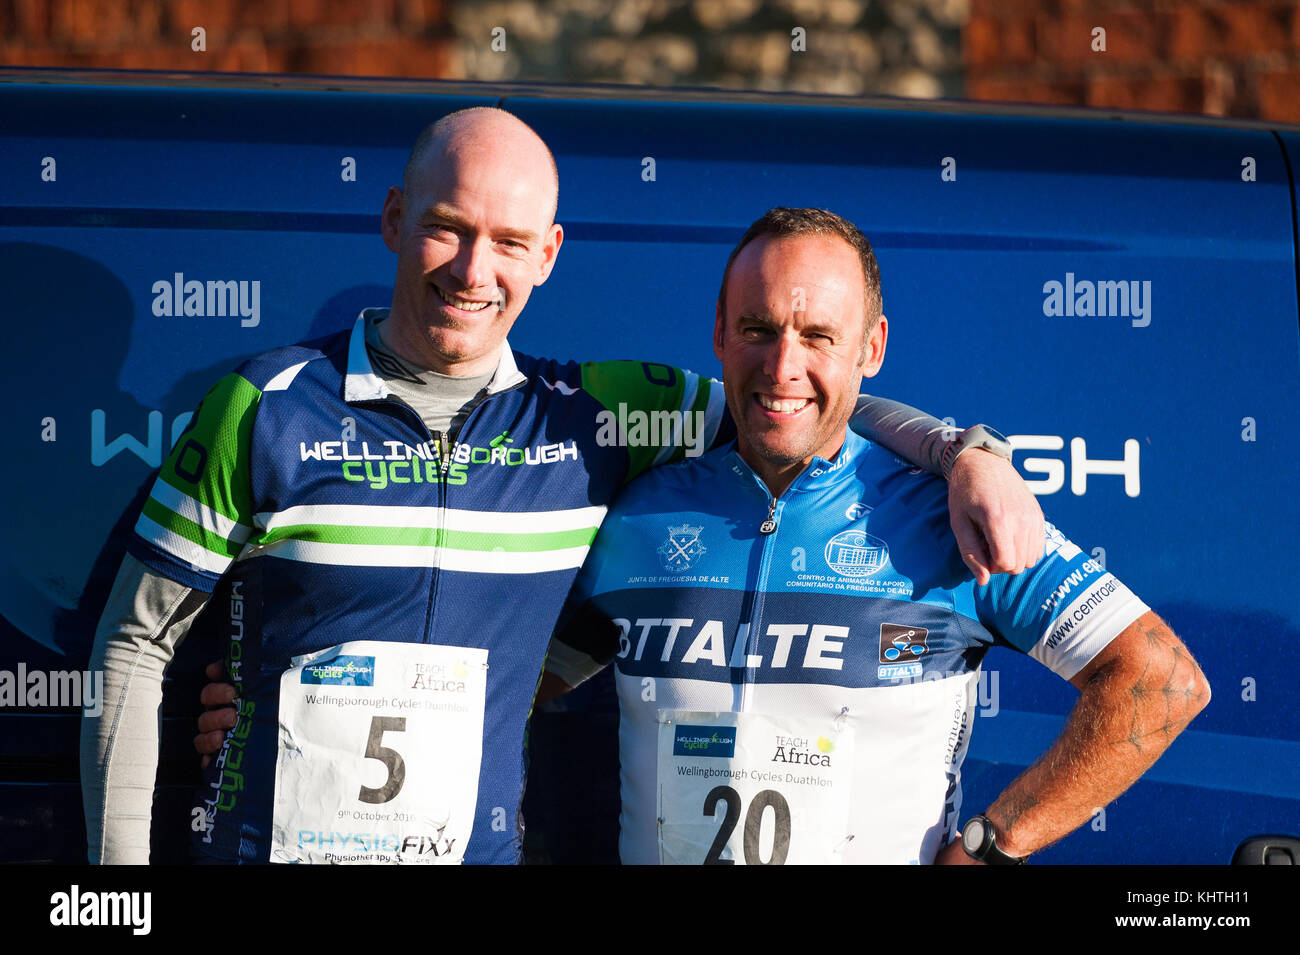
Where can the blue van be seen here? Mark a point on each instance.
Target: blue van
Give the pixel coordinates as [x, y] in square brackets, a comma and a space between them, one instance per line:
[1118, 293]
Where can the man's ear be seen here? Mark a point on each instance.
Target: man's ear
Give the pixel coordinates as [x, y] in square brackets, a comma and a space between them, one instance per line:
[390, 220]
[550, 249]
[717, 330]
[874, 351]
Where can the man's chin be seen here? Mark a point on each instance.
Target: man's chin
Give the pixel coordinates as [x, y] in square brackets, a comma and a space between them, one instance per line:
[456, 342]
[779, 456]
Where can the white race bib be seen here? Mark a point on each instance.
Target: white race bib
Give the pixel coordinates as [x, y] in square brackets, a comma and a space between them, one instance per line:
[744, 788]
[379, 754]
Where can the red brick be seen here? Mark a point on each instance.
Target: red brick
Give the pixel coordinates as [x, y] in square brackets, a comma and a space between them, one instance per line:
[146, 21]
[998, 9]
[1168, 93]
[269, 16]
[1224, 29]
[91, 24]
[21, 53]
[396, 57]
[1190, 33]
[1132, 37]
[980, 42]
[163, 55]
[999, 43]
[246, 55]
[1257, 28]
[319, 13]
[1025, 91]
[218, 19]
[33, 20]
[1279, 95]
[420, 15]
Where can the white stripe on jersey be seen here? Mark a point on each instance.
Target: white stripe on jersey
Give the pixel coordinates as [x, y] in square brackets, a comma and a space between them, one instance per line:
[398, 555]
[1099, 614]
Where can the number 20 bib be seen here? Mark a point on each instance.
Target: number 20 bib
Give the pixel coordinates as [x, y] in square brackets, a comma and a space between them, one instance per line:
[378, 755]
[753, 789]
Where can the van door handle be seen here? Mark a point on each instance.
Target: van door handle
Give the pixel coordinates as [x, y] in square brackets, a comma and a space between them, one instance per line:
[1268, 850]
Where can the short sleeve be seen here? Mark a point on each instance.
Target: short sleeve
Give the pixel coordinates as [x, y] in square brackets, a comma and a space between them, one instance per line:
[1063, 611]
[659, 413]
[199, 513]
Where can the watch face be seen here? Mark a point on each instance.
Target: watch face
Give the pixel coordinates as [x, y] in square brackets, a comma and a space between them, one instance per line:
[996, 435]
[972, 837]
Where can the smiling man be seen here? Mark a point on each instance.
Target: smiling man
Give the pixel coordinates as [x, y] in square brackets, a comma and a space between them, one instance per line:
[384, 525]
[796, 639]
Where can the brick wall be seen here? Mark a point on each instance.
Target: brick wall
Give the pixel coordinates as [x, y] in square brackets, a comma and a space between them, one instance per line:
[1200, 56]
[1192, 56]
[903, 47]
[408, 38]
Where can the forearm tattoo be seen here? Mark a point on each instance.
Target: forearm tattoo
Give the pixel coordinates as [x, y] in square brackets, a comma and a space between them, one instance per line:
[1170, 675]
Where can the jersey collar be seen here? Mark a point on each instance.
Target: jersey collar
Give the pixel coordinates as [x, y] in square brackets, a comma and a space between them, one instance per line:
[362, 384]
[820, 473]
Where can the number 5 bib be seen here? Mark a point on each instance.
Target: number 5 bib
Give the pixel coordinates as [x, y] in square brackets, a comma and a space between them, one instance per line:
[379, 752]
[744, 787]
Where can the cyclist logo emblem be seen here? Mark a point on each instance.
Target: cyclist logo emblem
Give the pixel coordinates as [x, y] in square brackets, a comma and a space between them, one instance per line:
[856, 554]
[682, 548]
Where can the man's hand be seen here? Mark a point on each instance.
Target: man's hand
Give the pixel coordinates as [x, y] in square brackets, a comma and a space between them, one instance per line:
[216, 698]
[994, 516]
[549, 688]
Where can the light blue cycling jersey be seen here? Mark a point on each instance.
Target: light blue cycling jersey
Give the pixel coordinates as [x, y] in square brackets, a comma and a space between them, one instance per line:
[851, 635]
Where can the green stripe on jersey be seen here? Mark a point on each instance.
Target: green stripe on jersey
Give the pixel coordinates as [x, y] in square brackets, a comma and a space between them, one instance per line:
[210, 461]
[186, 528]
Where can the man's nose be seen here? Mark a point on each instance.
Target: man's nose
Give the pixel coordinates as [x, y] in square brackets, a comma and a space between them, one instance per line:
[472, 263]
[784, 360]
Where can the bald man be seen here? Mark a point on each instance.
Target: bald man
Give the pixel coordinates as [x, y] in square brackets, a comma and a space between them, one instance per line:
[384, 524]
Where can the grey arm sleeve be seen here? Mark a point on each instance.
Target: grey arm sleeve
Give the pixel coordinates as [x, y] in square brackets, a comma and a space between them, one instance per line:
[909, 433]
[146, 618]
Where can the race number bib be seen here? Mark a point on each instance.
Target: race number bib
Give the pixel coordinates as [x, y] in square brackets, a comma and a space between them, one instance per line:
[743, 788]
[379, 754]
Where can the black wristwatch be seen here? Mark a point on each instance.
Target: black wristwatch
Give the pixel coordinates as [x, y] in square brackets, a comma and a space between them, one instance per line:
[979, 436]
[980, 842]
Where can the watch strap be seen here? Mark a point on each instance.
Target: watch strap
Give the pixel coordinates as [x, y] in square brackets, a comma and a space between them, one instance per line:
[977, 436]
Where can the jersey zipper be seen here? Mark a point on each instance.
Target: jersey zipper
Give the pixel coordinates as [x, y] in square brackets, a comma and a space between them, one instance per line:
[767, 531]
[444, 440]
[444, 495]
[752, 611]
[429, 437]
